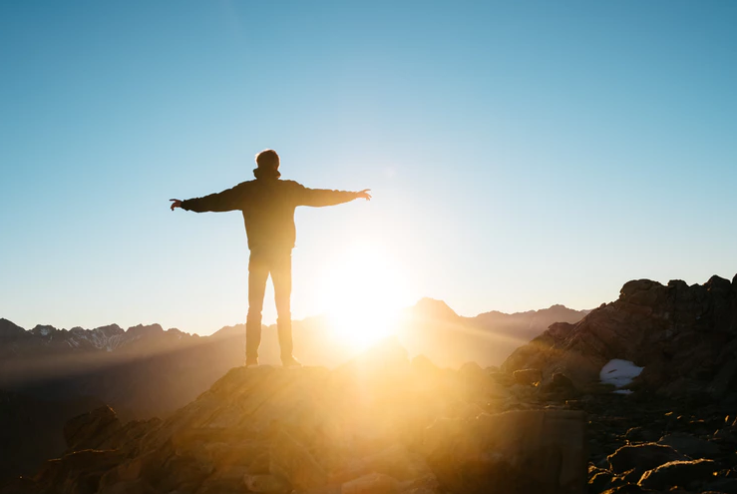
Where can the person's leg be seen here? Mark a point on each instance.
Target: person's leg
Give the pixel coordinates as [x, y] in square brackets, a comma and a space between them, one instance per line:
[281, 275]
[258, 273]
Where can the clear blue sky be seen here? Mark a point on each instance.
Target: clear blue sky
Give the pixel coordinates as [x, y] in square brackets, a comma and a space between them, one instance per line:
[521, 154]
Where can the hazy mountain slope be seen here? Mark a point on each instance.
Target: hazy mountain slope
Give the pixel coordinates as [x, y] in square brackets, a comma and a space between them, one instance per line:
[145, 370]
[435, 330]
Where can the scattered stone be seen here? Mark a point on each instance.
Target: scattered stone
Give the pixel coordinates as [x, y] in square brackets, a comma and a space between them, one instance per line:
[679, 473]
[599, 481]
[642, 457]
[641, 434]
[690, 445]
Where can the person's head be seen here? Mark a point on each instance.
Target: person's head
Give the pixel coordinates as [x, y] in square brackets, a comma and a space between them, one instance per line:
[268, 164]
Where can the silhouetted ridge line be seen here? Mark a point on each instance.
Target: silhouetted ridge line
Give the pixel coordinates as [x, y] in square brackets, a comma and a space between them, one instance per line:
[684, 336]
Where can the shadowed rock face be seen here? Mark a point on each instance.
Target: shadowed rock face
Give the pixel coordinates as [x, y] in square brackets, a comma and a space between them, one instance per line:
[684, 336]
[376, 424]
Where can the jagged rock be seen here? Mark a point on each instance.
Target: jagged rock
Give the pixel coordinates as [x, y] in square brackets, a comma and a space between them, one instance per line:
[527, 377]
[691, 446]
[560, 387]
[89, 430]
[642, 457]
[78, 472]
[678, 473]
[642, 434]
[684, 336]
[599, 481]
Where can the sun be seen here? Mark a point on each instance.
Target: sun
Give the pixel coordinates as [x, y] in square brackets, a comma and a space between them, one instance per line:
[363, 292]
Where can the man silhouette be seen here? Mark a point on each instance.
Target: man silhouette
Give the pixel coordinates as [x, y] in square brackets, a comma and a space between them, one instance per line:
[268, 205]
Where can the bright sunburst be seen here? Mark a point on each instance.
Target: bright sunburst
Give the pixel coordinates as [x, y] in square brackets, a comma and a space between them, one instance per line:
[364, 292]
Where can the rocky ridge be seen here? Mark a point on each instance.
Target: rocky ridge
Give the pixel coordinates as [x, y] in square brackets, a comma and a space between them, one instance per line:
[378, 424]
[145, 371]
[383, 424]
[684, 336]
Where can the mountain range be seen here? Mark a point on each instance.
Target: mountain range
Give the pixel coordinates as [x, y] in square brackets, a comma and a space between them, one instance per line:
[145, 370]
[48, 375]
[681, 338]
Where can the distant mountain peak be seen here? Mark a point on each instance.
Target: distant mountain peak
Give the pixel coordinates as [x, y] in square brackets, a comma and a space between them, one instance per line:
[9, 328]
[145, 330]
[434, 308]
[44, 330]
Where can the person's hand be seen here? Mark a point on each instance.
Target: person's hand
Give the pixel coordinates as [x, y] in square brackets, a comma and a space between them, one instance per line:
[364, 194]
[176, 203]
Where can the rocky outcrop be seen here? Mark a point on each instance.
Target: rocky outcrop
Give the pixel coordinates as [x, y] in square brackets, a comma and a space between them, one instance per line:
[684, 336]
[145, 371]
[379, 424]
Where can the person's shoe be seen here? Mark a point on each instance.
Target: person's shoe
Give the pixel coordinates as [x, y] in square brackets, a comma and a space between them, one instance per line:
[291, 362]
[251, 362]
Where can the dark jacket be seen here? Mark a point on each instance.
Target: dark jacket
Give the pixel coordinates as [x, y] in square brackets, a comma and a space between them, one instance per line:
[268, 206]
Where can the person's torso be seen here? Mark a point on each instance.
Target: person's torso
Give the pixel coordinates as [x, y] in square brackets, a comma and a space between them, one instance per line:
[268, 212]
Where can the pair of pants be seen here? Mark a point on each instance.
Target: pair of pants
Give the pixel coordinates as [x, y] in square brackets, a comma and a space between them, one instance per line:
[278, 263]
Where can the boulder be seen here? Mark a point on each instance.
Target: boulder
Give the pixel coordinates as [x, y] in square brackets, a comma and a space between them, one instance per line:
[642, 457]
[690, 445]
[642, 434]
[679, 473]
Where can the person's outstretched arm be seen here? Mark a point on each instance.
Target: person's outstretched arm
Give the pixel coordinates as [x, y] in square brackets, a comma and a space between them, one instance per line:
[227, 200]
[325, 197]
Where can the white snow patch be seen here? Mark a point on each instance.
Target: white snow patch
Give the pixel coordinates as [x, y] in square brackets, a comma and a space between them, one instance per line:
[619, 373]
[44, 331]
